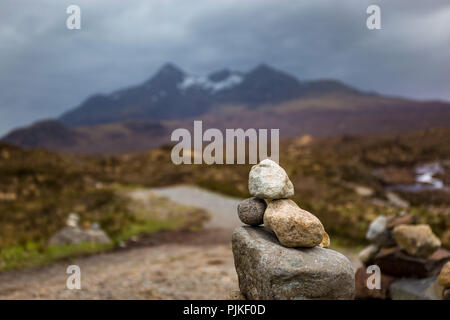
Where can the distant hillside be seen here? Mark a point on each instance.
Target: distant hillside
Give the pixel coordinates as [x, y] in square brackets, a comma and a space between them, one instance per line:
[142, 117]
[109, 138]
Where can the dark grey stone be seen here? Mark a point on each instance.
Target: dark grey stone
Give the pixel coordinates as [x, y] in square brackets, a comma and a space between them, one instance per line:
[251, 211]
[416, 289]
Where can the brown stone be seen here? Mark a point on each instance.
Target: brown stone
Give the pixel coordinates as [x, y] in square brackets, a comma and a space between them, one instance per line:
[325, 241]
[362, 292]
[393, 221]
[444, 276]
[395, 262]
[293, 226]
[418, 240]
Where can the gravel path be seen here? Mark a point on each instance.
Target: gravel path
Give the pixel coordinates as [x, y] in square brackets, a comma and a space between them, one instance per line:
[222, 208]
[168, 271]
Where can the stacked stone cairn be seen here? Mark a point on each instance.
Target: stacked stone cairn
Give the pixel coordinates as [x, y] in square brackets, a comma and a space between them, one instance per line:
[410, 259]
[287, 258]
[73, 234]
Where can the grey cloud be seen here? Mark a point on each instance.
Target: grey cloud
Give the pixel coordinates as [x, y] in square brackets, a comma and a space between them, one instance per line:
[46, 69]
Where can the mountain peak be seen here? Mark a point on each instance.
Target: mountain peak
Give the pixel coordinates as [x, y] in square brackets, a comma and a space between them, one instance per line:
[265, 71]
[169, 71]
[263, 67]
[170, 68]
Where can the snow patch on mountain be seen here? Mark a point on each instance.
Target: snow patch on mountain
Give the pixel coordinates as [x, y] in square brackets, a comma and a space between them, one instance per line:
[207, 84]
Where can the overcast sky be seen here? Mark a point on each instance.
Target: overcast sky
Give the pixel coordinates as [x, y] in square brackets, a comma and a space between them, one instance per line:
[46, 69]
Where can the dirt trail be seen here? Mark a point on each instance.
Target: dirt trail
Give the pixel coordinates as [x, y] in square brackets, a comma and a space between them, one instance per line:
[222, 208]
[171, 265]
[184, 269]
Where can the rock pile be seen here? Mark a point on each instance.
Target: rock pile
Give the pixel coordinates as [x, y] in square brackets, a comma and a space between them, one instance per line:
[288, 257]
[409, 257]
[73, 234]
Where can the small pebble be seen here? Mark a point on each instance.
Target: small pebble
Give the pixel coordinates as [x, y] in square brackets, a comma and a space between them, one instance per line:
[251, 211]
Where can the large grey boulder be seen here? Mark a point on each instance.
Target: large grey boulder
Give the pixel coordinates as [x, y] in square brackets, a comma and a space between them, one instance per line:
[267, 270]
[267, 180]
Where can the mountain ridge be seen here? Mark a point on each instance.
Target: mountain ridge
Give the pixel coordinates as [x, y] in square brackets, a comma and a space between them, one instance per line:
[141, 117]
[174, 94]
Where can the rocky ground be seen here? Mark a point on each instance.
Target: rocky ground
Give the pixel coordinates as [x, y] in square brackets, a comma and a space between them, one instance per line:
[167, 265]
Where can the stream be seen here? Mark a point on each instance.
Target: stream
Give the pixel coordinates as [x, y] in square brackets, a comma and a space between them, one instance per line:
[425, 179]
